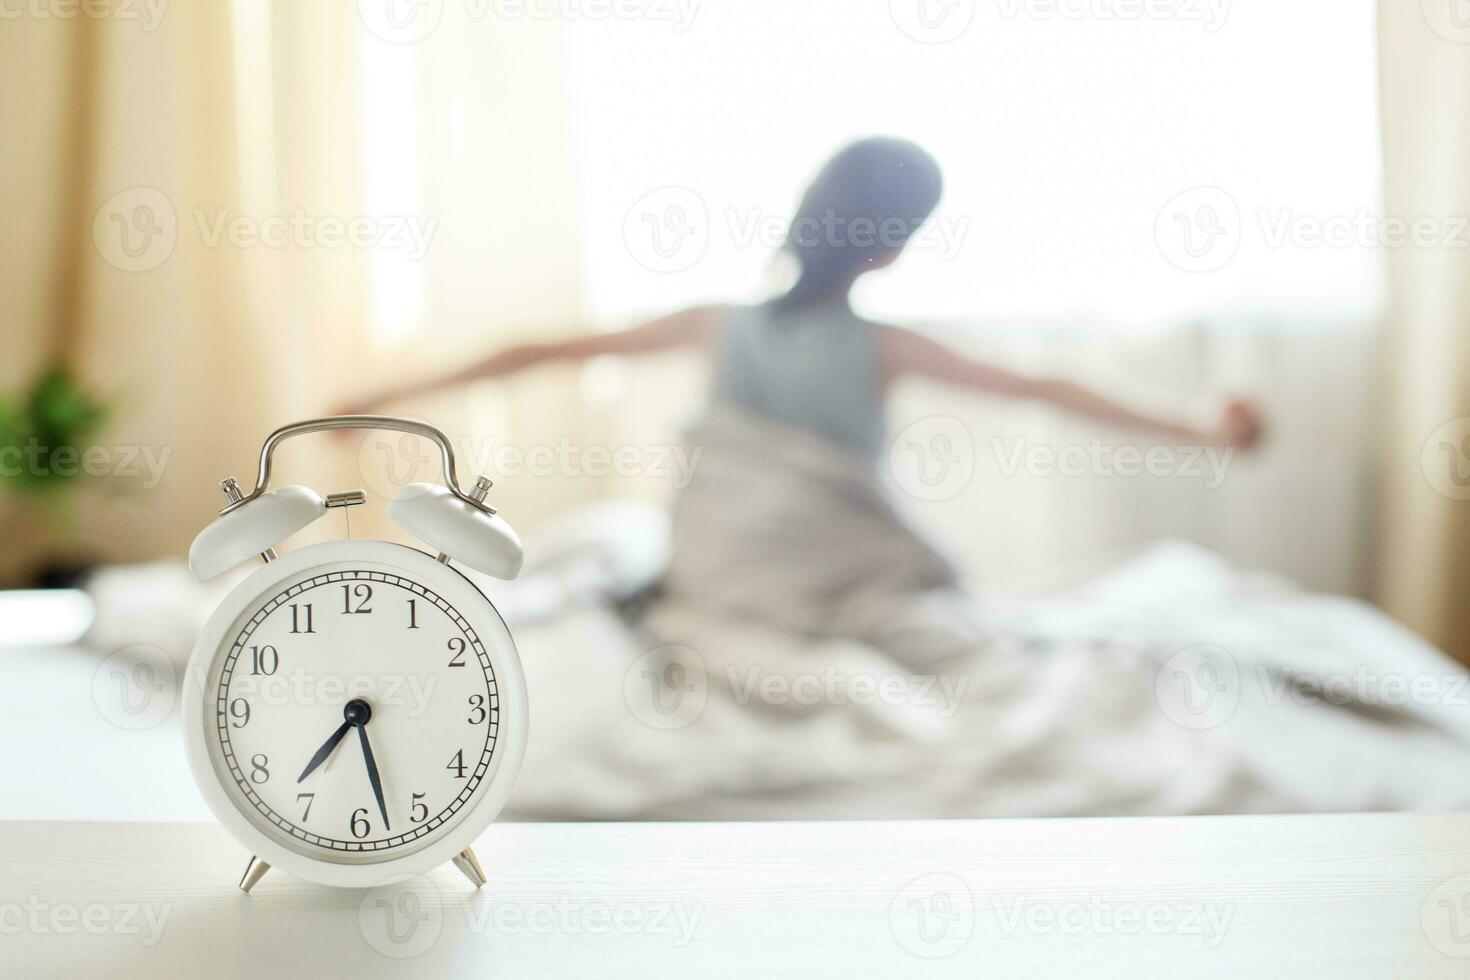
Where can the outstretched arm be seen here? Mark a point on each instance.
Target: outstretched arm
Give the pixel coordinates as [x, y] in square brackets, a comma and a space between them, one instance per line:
[908, 353]
[686, 328]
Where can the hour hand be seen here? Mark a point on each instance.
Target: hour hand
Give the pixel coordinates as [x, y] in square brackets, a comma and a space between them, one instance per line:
[325, 751]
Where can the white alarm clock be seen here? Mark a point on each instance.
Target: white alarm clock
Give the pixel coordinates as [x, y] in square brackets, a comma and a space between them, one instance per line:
[356, 710]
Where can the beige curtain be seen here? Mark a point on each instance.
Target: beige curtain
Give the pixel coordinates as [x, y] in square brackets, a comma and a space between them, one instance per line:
[135, 145]
[132, 128]
[1424, 531]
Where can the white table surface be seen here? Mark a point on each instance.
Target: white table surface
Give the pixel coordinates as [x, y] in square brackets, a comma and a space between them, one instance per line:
[87, 757]
[1340, 897]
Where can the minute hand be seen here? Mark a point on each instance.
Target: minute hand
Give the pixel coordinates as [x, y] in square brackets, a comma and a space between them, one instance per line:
[372, 768]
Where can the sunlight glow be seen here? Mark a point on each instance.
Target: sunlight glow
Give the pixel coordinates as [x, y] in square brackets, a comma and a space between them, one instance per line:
[391, 175]
[1063, 140]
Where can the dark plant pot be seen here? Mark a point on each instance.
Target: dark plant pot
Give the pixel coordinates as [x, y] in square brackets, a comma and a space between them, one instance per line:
[68, 573]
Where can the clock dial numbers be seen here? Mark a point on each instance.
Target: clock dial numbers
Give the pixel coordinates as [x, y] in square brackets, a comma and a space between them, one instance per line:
[264, 661]
[357, 599]
[301, 617]
[290, 672]
[239, 713]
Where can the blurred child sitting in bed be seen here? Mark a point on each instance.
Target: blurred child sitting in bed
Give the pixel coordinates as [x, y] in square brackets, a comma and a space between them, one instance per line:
[806, 365]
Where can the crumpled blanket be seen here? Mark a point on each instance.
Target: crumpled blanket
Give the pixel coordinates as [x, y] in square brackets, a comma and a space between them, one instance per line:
[1174, 687]
[780, 528]
[813, 658]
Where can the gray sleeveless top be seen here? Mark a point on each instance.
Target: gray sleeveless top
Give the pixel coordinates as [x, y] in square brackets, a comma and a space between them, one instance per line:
[815, 369]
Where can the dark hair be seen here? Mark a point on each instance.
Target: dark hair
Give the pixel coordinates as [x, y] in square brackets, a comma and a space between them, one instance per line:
[866, 202]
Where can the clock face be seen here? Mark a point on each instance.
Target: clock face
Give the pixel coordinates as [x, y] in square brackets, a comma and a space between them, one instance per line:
[352, 712]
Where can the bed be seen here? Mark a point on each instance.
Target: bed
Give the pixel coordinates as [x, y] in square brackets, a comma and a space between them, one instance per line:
[1174, 684]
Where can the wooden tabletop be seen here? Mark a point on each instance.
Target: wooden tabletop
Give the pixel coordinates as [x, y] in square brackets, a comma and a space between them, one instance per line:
[1332, 896]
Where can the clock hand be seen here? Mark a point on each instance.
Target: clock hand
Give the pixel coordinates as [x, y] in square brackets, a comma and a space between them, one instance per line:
[355, 712]
[372, 768]
[325, 751]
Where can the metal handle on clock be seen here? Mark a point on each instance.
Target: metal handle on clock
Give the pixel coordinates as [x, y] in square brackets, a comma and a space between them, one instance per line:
[389, 422]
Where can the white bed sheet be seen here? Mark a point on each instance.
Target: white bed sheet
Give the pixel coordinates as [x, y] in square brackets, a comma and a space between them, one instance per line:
[1061, 712]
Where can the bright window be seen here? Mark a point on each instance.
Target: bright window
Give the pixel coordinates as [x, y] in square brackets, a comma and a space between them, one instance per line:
[1065, 129]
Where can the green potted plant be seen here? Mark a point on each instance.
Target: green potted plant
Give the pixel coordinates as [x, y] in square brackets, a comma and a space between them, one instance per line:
[44, 435]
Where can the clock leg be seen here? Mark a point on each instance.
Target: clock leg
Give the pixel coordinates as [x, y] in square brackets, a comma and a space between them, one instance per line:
[254, 871]
[466, 861]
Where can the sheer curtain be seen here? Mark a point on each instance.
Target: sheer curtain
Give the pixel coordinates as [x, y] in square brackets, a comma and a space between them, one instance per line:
[1028, 519]
[469, 126]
